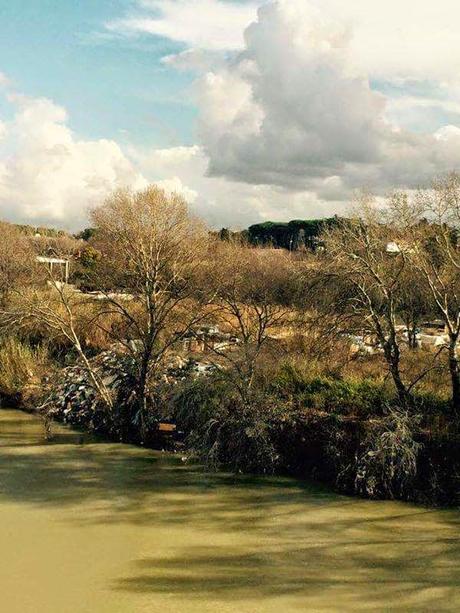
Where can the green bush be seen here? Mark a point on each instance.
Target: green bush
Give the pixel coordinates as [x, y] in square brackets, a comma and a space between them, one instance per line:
[198, 401]
[339, 396]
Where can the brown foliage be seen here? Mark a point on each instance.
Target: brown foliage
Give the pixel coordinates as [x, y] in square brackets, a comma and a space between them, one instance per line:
[17, 261]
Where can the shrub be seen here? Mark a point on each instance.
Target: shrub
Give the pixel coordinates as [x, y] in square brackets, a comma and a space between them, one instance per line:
[333, 395]
[197, 401]
[387, 466]
[223, 432]
[20, 365]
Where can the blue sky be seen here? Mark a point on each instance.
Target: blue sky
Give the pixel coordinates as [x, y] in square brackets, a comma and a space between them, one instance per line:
[251, 109]
[112, 88]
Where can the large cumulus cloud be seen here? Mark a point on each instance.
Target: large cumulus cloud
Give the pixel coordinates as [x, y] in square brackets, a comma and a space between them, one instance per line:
[294, 110]
[50, 176]
[318, 98]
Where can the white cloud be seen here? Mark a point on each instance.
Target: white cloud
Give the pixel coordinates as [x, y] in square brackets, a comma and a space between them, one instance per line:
[394, 39]
[414, 39]
[295, 110]
[207, 24]
[325, 95]
[175, 185]
[47, 174]
[222, 202]
[447, 133]
[195, 60]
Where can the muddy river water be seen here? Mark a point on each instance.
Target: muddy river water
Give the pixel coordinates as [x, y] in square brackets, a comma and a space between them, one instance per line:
[97, 527]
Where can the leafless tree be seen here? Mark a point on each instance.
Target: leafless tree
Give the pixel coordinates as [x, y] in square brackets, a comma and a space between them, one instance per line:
[17, 261]
[63, 313]
[252, 290]
[154, 261]
[434, 250]
[359, 255]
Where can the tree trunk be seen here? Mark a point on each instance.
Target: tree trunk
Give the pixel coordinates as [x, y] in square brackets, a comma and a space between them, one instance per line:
[142, 397]
[412, 335]
[392, 355]
[454, 369]
[403, 394]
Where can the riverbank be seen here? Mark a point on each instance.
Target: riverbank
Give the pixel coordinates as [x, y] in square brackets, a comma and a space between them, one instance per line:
[343, 434]
[351, 436]
[91, 525]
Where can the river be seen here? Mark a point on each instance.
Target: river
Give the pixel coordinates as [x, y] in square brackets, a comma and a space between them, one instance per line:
[98, 527]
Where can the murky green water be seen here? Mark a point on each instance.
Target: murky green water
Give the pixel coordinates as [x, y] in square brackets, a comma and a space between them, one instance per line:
[94, 527]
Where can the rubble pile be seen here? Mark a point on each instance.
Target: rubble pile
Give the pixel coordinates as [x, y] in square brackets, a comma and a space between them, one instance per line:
[74, 400]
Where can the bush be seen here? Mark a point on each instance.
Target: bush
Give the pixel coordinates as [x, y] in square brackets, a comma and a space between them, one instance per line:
[20, 365]
[221, 431]
[387, 466]
[340, 429]
[197, 401]
[332, 395]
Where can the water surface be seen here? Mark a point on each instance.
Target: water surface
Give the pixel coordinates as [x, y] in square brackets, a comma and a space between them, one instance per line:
[96, 527]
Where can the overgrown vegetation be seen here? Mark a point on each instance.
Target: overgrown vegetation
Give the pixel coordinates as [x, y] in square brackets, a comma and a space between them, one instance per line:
[352, 434]
[335, 357]
[20, 367]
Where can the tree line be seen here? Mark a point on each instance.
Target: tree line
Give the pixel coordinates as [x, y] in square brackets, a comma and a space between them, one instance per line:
[293, 235]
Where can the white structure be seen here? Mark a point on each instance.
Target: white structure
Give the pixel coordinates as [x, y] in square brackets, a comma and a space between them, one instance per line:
[437, 340]
[54, 262]
[393, 248]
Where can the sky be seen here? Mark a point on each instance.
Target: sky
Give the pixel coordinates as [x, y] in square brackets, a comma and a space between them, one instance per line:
[252, 110]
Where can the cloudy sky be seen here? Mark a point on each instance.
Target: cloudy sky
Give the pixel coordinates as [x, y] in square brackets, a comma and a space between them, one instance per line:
[253, 110]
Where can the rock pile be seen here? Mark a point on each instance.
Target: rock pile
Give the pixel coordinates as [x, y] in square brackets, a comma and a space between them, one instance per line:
[73, 398]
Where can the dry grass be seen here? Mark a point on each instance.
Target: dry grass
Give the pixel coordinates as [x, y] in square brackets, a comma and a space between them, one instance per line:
[21, 365]
[323, 356]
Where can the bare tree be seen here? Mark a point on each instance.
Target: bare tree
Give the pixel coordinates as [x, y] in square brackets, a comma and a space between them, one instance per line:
[415, 303]
[253, 288]
[63, 312]
[155, 252]
[17, 261]
[435, 253]
[31, 294]
[360, 253]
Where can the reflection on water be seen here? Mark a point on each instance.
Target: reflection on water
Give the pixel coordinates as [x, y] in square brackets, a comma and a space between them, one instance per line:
[96, 527]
